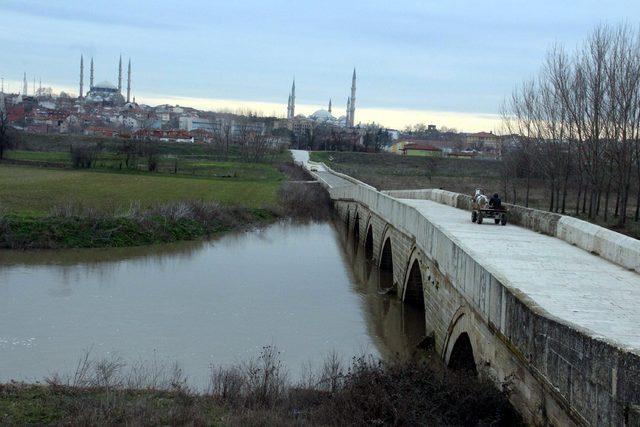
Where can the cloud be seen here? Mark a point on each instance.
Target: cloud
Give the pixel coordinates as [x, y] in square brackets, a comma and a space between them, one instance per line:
[117, 13]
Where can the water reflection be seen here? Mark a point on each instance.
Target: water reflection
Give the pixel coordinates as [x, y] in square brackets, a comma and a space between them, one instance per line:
[305, 288]
[397, 328]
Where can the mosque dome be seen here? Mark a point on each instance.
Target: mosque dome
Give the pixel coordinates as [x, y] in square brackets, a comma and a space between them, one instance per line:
[105, 85]
[322, 116]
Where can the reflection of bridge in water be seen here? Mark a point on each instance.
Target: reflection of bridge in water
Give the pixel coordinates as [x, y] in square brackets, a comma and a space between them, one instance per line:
[397, 328]
[551, 310]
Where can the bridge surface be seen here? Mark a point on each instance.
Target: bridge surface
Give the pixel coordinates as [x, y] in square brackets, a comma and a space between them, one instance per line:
[567, 282]
[570, 285]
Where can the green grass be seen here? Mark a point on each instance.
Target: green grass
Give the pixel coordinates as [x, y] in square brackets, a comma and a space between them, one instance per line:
[201, 164]
[34, 191]
[39, 156]
[387, 171]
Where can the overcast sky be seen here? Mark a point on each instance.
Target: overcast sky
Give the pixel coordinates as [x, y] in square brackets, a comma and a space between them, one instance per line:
[447, 62]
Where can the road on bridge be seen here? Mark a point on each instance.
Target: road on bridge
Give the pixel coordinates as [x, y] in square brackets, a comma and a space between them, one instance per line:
[301, 157]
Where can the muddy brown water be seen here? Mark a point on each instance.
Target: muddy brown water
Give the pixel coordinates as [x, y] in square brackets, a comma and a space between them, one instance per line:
[305, 289]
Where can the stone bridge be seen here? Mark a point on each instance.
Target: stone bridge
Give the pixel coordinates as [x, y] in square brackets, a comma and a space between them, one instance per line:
[547, 308]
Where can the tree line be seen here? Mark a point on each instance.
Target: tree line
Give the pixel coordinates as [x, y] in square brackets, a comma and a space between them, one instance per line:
[576, 126]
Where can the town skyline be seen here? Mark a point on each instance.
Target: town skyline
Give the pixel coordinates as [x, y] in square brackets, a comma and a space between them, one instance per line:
[397, 118]
[414, 67]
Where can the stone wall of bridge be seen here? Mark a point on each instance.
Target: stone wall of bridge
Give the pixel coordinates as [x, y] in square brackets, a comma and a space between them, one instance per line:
[558, 374]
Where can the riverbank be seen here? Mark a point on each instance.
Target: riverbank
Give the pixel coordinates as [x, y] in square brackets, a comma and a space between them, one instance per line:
[76, 228]
[53, 209]
[258, 392]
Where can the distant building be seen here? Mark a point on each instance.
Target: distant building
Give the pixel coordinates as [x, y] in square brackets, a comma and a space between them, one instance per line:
[190, 123]
[486, 141]
[238, 128]
[105, 93]
[421, 150]
[397, 147]
[101, 131]
[301, 125]
[322, 116]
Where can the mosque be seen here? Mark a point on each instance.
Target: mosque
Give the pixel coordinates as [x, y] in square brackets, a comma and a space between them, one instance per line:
[105, 92]
[326, 116]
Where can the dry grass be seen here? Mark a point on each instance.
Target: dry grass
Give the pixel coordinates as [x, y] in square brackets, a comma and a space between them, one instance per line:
[305, 201]
[258, 392]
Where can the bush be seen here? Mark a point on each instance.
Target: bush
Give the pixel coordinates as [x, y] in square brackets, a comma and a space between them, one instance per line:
[258, 392]
[305, 201]
[84, 156]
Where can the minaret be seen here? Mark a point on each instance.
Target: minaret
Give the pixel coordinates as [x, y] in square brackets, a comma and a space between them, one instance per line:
[120, 75]
[346, 123]
[129, 82]
[329, 106]
[352, 100]
[81, 75]
[91, 75]
[25, 87]
[289, 107]
[293, 98]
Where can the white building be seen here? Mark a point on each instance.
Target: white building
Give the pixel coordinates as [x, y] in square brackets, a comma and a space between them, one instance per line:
[190, 123]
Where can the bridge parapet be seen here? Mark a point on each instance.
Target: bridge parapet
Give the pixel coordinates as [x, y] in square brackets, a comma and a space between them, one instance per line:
[562, 373]
[615, 247]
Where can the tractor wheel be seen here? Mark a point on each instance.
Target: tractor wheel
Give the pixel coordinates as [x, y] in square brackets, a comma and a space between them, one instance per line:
[479, 220]
[474, 216]
[496, 220]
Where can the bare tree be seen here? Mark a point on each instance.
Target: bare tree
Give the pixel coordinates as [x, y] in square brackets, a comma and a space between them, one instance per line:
[579, 124]
[8, 137]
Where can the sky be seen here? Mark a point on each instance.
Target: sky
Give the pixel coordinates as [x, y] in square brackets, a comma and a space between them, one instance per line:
[450, 63]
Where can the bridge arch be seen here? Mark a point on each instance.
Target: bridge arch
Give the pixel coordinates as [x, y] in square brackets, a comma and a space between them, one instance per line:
[368, 243]
[356, 226]
[386, 265]
[459, 351]
[413, 288]
[461, 357]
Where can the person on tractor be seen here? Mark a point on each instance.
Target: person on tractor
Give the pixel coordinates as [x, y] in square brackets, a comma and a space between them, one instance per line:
[495, 202]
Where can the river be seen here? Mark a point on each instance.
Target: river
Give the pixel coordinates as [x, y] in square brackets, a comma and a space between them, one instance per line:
[305, 289]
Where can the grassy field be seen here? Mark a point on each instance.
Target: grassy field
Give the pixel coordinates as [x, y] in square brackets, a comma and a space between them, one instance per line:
[186, 164]
[394, 172]
[34, 191]
[194, 192]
